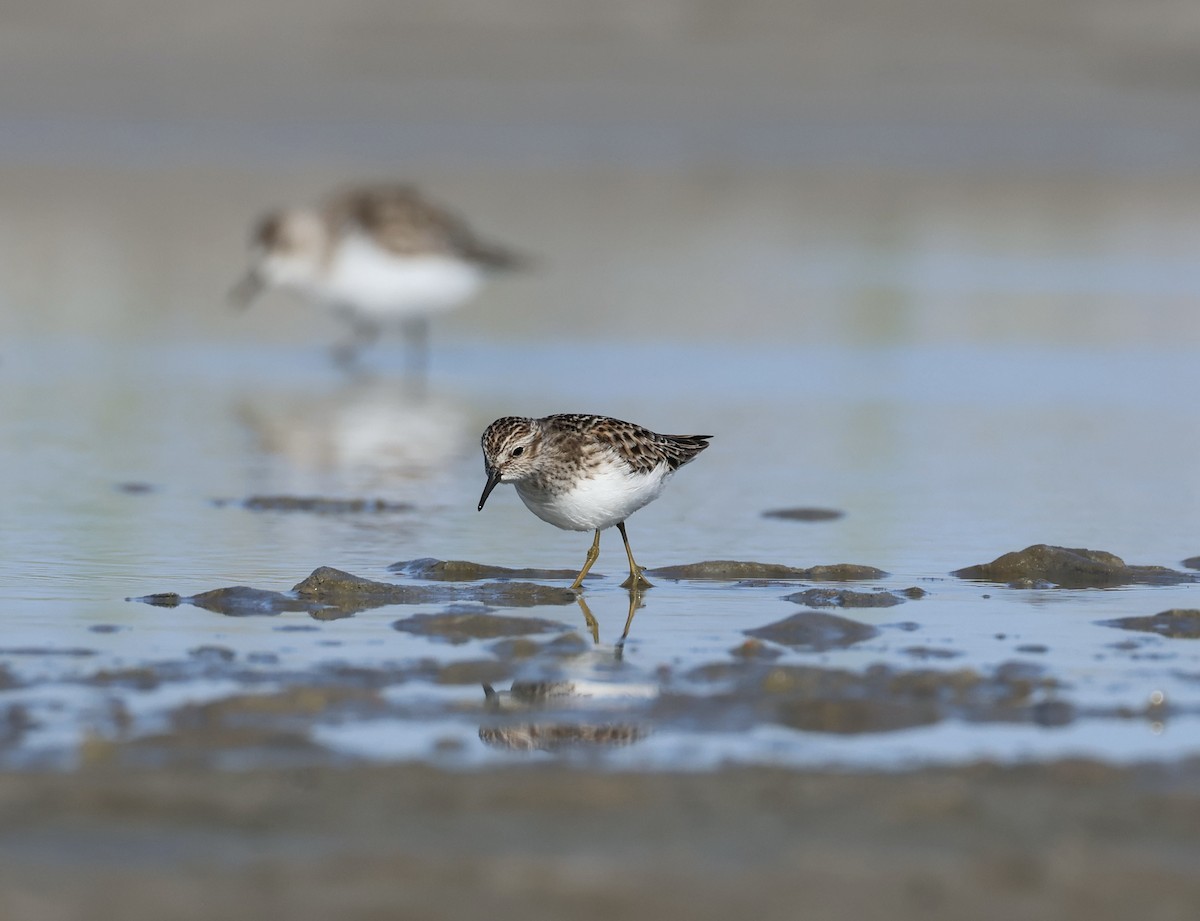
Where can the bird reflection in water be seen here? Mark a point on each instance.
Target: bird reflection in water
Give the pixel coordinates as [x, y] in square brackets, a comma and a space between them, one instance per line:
[583, 706]
[378, 430]
[593, 625]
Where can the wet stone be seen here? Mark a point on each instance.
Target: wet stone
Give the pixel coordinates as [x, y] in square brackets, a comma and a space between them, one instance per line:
[1053, 713]
[720, 671]
[844, 572]
[814, 631]
[736, 571]
[517, 594]
[134, 488]
[1019, 671]
[459, 628]
[1065, 567]
[755, 649]
[212, 653]
[804, 514]
[879, 698]
[330, 612]
[144, 678]
[1178, 623]
[519, 648]
[317, 505]
[344, 590]
[1126, 645]
[927, 682]
[161, 599]
[243, 601]
[563, 646]
[465, 571]
[844, 598]
[931, 652]
[234, 601]
[467, 607]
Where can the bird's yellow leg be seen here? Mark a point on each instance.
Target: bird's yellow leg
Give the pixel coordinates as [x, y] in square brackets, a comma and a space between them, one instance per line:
[591, 558]
[636, 580]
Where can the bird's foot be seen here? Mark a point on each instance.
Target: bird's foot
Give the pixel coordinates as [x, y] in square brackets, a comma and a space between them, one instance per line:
[637, 582]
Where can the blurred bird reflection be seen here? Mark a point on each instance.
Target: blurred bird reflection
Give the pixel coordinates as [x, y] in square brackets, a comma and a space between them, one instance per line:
[373, 431]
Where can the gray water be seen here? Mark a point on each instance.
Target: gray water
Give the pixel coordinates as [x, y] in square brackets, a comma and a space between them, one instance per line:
[963, 385]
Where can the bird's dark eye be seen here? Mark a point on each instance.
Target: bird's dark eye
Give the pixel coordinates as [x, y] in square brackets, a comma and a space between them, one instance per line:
[518, 451]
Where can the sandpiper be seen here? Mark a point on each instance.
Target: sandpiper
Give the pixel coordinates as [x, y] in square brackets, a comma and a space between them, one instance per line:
[374, 255]
[584, 473]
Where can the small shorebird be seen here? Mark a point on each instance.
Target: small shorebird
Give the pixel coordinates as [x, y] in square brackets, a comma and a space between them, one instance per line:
[374, 255]
[584, 473]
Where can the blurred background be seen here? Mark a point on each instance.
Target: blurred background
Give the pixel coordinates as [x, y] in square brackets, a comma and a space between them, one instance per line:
[823, 170]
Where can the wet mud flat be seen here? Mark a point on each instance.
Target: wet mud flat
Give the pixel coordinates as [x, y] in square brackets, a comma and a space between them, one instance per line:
[1066, 840]
[481, 667]
[254, 801]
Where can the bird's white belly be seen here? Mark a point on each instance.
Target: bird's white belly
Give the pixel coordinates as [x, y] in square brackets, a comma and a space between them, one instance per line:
[599, 502]
[364, 278]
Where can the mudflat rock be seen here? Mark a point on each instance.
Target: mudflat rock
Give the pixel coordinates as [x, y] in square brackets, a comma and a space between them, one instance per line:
[243, 601]
[844, 598]
[435, 570]
[460, 627]
[328, 584]
[736, 571]
[234, 601]
[330, 593]
[881, 698]
[335, 587]
[315, 505]
[1178, 623]
[814, 631]
[804, 514]
[1043, 565]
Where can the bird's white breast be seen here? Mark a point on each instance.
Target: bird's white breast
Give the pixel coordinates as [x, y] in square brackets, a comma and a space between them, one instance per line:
[364, 277]
[598, 502]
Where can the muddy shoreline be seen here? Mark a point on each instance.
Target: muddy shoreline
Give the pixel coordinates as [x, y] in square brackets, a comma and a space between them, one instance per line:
[1073, 839]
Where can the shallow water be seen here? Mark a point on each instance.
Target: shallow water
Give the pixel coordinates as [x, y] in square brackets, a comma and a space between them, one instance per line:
[940, 456]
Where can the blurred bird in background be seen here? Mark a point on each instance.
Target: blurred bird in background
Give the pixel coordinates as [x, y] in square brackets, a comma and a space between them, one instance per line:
[377, 256]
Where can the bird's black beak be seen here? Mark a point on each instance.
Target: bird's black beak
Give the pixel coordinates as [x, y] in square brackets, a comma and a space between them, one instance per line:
[492, 482]
[245, 291]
